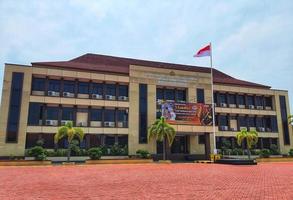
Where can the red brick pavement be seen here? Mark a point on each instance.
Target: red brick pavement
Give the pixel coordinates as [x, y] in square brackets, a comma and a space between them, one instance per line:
[149, 181]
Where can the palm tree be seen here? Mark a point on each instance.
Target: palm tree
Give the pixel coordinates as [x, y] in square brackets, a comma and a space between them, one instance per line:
[251, 138]
[290, 118]
[70, 132]
[162, 131]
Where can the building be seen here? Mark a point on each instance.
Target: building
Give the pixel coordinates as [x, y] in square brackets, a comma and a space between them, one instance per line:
[115, 99]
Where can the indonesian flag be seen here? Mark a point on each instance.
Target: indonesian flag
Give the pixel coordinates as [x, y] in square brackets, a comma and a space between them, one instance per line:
[206, 51]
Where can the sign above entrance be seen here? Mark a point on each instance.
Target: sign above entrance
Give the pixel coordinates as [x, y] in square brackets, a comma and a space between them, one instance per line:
[187, 113]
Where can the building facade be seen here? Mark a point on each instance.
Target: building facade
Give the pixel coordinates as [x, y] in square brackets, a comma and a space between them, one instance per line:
[114, 100]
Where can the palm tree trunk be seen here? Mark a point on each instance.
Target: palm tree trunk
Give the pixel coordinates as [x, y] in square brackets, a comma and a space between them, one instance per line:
[248, 153]
[68, 152]
[164, 149]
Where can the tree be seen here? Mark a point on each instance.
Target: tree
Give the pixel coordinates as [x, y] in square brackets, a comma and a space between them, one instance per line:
[251, 138]
[70, 133]
[290, 119]
[162, 132]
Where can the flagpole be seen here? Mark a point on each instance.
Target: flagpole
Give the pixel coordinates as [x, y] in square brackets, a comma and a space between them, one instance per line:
[213, 104]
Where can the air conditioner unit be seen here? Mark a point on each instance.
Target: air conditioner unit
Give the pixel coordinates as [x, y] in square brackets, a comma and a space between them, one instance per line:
[269, 129]
[109, 124]
[181, 101]
[63, 122]
[243, 128]
[40, 122]
[261, 129]
[223, 105]
[268, 108]
[96, 123]
[232, 105]
[51, 122]
[241, 106]
[68, 94]
[53, 93]
[97, 96]
[110, 97]
[259, 107]
[120, 124]
[82, 124]
[122, 98]
[224, 128]
[251, 106]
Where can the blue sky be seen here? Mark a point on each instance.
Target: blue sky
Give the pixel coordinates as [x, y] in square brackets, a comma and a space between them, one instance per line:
[252, 40]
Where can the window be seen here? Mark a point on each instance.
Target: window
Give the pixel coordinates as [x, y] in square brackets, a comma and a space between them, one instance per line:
[160, 94]
[109, 140]
[83, 88]
[68, 114]
[69, 86]
[222, 98]
[96, 114]
[268, 101]
[284, 117]
[259, 101]
[223, 120]
[274, 124]
[123, 90]
[170, 94]
[35, 114]
[14, 107]
[123, 140]
[109, 115]
[232, 99]
[259, 122]
[242, 121]
[250, 100]
[52, 113]
[38, 84]
[180, 95]
[111, 89]
[122, 117]
[98, 88]
[31, 140]
[251, 121]
[54, 85]
[201, 139]
[241, 100]
[143, 107]
[200, 95]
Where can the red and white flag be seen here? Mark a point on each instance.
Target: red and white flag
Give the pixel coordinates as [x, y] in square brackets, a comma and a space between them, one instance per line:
[206, 51]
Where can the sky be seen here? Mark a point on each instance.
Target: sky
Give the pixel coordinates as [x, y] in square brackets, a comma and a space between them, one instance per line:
[251, 40]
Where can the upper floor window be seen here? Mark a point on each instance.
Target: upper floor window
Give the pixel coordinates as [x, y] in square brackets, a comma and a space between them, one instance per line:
[109, 115]
[110, 89]
[123, 90]
[222, 98]
[259, 122]
[96, 114]
[241, 100]
[200, 95]
[268, 102]
[259, 101]
[170, 94]
[54, 85]
[180, 95]
[160, 93]
[251, 121]
[242, 121]
[38, 84]
[69, 86]
[232, 99]
[83, 88]
[223, 120]
[98, 88]
[67, 114]
[52, 113]
[35, 113]
[250, 100]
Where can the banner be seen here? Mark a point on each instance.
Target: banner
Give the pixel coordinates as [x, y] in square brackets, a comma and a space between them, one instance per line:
[187, 113]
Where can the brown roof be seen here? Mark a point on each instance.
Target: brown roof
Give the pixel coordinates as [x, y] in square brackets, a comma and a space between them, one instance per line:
[111, 64]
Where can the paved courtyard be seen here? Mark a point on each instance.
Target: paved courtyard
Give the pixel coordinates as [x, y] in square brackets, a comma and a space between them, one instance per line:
[149, 181]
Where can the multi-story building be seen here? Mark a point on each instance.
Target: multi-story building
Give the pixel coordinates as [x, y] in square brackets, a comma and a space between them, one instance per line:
[115, 100]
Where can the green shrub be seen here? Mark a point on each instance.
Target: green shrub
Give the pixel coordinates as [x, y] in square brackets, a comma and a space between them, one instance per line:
[291, 152]
[61, 152]
[40, 142]
[116, 150]
[95, 153]
[143, 153]
[236, 151]
[274, 149]
[38, 152]
[265, 153]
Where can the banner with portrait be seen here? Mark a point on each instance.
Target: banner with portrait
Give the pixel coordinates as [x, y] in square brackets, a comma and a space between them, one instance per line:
[187, 113]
